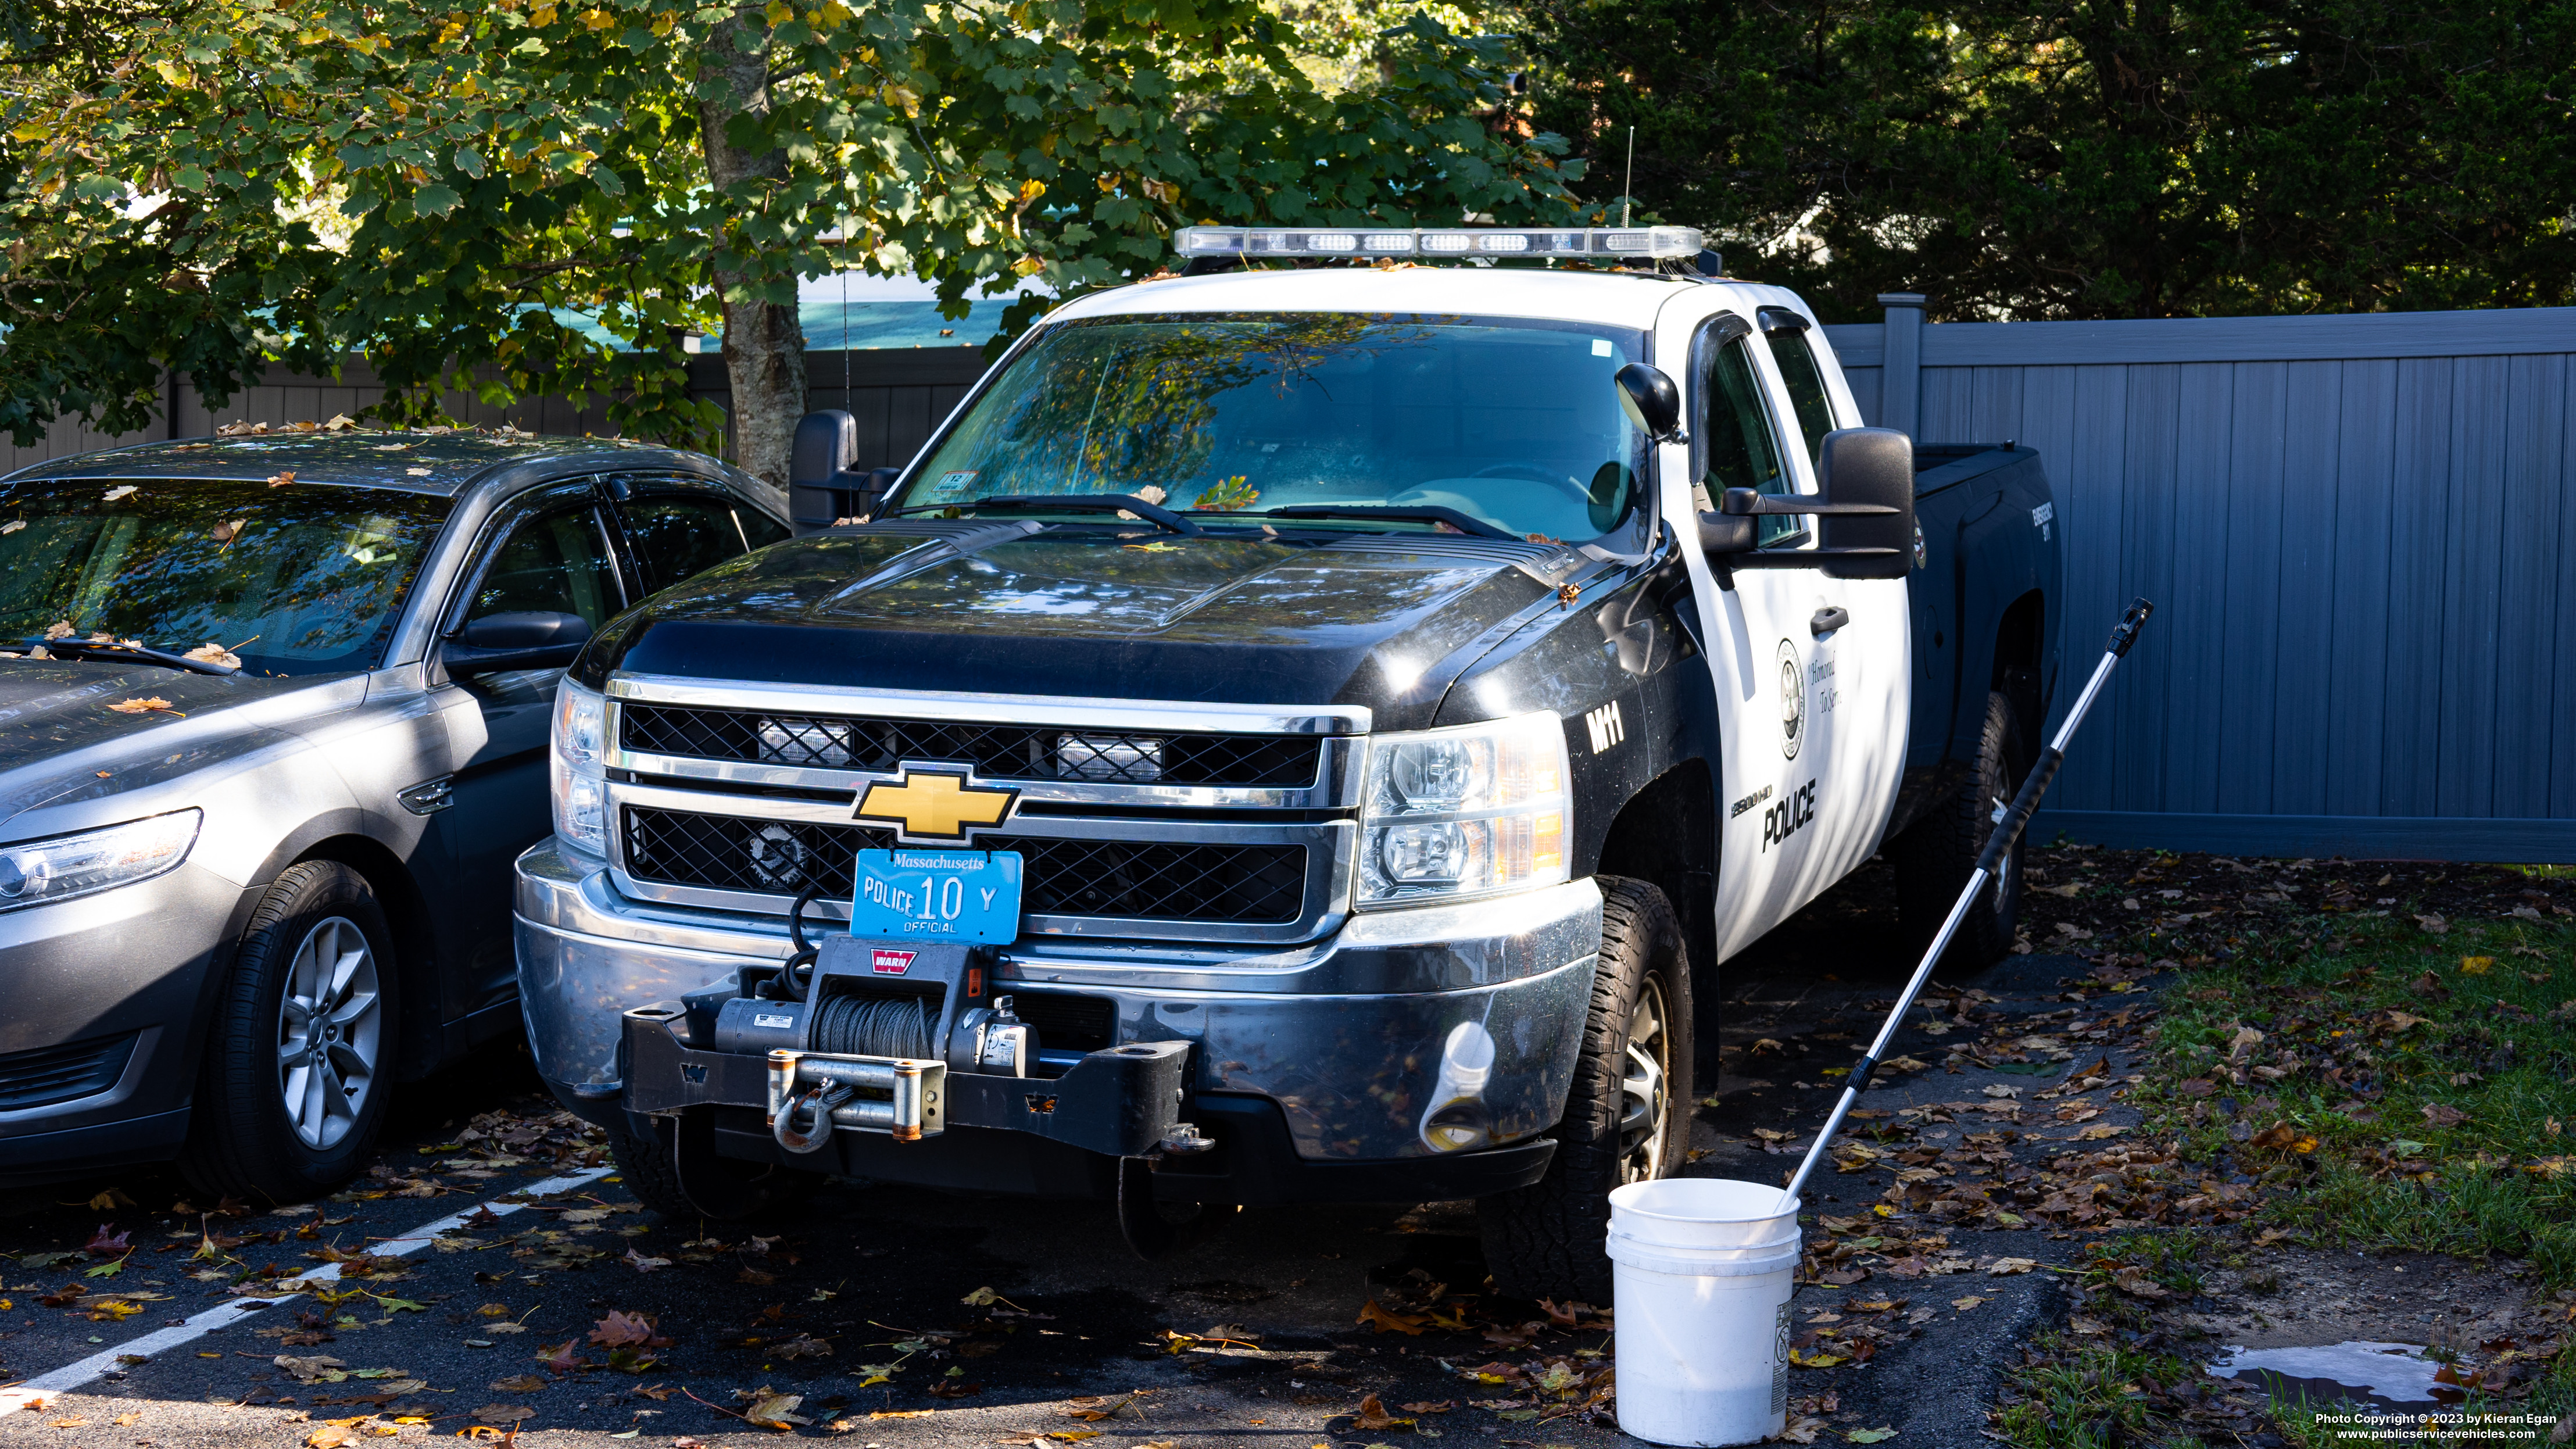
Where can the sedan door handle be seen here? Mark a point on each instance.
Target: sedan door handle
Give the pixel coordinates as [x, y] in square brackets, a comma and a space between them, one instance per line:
[1827, 620]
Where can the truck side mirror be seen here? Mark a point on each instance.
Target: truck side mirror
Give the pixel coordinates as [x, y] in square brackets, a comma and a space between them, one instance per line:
[1648, 397]
[525, 639]
[1872, 468]
[821, 484]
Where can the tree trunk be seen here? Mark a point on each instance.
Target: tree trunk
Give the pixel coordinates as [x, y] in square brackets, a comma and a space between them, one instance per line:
[764, 344]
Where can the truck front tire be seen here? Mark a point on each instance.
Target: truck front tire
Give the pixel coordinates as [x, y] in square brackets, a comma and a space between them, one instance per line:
[1627, 1117]
[1934, 858]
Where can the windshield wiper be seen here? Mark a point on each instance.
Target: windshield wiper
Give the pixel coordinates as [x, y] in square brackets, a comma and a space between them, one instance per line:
[1423, 513]
[1155, 514]
[90, 649]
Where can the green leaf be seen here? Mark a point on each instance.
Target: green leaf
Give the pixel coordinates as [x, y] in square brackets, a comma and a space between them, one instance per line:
[1869, 1436]
[435, 200]
[470, 161]
[106, 1270]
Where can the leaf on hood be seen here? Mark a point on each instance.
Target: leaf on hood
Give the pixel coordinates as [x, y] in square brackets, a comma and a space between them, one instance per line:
[622, 1328]
[340, 423]
[119, 491]
[211, 652]
[59, 629]
[228, 530]
[12, 526]
[149, 704]
[281, 480]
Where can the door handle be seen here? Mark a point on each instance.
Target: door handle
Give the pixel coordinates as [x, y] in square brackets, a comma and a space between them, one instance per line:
[1827, 620]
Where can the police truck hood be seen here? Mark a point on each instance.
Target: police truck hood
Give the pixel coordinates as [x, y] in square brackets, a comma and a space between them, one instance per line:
[1084, 611]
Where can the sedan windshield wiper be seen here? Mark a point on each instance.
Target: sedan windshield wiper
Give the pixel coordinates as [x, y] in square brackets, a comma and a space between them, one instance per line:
[90, 649]
[1421, 513]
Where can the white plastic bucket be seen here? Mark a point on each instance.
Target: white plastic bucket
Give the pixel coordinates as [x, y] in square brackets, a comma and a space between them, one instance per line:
[1703, 1269]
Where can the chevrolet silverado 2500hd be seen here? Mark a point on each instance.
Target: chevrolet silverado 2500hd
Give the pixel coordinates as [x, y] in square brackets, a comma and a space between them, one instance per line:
[1296, 733]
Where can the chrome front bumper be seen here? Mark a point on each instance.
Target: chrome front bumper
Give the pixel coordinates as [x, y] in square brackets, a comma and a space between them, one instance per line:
[1360, 1037]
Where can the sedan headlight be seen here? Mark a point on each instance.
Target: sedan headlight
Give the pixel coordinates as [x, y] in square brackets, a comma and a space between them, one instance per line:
[579, 767]
[1457, 813]
[95, 860]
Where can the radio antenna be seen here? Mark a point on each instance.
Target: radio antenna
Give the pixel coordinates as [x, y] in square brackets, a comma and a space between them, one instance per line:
[1628, 188]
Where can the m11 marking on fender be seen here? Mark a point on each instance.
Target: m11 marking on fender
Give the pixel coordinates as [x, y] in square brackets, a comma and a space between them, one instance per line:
[1787, 818]
[1606, 727]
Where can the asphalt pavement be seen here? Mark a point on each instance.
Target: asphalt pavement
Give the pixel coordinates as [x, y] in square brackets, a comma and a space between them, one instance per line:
[457, 1302]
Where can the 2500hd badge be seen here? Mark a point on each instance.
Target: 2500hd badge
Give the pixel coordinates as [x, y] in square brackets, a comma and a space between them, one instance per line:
[1208, 709]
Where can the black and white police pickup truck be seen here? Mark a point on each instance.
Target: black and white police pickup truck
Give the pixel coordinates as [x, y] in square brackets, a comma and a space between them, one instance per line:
[1301, 731]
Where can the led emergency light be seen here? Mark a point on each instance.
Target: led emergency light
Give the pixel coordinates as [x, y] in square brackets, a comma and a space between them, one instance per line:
[1599, 241]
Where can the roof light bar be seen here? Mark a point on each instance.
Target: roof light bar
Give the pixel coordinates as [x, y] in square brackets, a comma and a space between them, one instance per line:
[1263, 241]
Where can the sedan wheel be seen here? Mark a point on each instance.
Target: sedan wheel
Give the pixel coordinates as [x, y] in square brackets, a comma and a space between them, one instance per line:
[328, 1032]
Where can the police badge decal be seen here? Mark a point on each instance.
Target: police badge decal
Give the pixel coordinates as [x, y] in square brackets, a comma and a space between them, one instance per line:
[1793, 701]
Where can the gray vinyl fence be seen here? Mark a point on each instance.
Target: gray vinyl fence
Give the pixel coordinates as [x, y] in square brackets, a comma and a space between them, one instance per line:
[2359, 532]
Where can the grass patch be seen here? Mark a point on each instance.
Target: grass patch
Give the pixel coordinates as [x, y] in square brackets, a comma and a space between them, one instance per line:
[2086, 1396]
[2391, 1086]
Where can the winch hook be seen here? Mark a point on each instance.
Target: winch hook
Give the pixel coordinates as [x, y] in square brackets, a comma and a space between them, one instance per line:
[822, 1101]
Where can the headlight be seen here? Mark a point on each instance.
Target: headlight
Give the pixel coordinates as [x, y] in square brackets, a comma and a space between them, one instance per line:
[1464, 812]
[95, 860]
[580, 772]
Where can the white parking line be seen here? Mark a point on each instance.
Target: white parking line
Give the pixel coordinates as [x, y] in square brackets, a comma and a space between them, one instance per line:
[33, 1393]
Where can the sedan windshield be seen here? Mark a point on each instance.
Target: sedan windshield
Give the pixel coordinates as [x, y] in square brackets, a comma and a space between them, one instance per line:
[1515, 424]
[301, 579]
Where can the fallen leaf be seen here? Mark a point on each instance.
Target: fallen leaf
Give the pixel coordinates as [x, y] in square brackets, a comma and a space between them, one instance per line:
[643, 1264]
[2443, 1114]
[519, 1384]
[2432, 921]
[281, 480]
[1431, 1406]
[504, 1413]
[1373, 1415]
[146, 705]
[1381, 1320]
[2476, 965]
[2002, 1267]
[1999, 1090]
[1971, 1301]
[772, 1410]
[2091, 1327]
[2134, 1282]
[335, 1435]
[213, 653]
[119, 491]
[622, 1328]
[803, 1346]
[1869, 1436]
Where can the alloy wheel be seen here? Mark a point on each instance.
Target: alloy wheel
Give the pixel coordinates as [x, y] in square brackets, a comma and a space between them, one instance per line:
[1645, 1103]
[329, 1032]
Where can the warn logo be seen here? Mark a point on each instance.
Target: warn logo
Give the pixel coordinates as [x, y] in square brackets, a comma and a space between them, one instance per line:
[890, 963]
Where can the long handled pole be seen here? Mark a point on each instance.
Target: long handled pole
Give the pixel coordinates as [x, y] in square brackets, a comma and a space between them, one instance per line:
[2006, 831]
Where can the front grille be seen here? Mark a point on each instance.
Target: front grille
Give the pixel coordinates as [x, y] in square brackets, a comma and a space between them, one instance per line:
[1144, 879]
[53, 1074]
[1022, 752]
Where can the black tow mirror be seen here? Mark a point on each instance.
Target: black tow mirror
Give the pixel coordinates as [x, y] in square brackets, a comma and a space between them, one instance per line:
[823, 485]
[1651, 401]
[1868, 478]
[1866, 506]
[533, 639]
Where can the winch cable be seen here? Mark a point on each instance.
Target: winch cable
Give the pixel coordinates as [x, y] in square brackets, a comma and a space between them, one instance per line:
[2008, 828]
[871, 1026]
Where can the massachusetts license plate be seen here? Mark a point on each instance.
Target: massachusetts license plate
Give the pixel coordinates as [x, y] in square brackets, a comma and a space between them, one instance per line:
[938, 895]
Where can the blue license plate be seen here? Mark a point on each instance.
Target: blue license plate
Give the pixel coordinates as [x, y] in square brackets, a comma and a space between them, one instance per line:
[937, 895]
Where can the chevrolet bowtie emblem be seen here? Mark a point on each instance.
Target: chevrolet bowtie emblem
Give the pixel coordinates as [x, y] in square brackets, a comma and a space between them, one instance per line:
[936, 805]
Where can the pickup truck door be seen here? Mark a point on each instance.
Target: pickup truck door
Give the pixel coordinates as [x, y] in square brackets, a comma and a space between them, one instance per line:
[1858, 672]
[1792, 800]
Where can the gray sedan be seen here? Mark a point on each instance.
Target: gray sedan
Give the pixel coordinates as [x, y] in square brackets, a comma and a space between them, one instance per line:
[273, 723]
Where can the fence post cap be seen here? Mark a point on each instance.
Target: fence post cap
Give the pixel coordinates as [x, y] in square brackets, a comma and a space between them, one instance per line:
[1893, 300]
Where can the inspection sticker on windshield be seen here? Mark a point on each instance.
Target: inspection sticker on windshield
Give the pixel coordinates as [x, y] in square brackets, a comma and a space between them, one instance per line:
[953, 485]
[940, 895]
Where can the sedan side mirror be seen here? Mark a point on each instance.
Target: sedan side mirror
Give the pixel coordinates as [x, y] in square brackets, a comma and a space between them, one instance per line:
[533, 639]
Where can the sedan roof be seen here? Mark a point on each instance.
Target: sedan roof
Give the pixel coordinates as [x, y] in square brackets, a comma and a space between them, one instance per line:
[443, 464]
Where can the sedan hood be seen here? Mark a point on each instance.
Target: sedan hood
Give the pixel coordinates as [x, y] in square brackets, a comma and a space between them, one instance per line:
[1011, 608]
[63, 738]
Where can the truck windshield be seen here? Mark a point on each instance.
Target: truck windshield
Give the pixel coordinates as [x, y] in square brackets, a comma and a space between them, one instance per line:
[302, 579]
[1514, 423]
